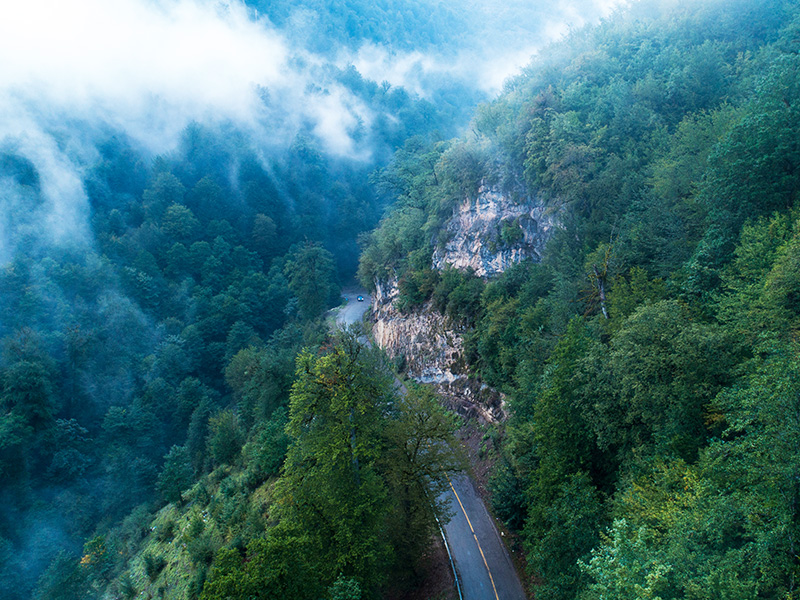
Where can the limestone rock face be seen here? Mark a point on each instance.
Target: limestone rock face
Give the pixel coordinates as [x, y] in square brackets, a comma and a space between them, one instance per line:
[427, 342]
[489, 235]
[494, 232]
[431, 349]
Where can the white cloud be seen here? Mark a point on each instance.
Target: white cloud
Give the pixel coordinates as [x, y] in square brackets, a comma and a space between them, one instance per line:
[149, 67]
[118, 60]
[507, 35]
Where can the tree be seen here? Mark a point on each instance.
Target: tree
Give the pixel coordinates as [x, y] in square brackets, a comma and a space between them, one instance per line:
[331, 488]
[65, 579]
[565, 511]
[624, 566]
[165, 190]
[757, 463]
[176, 474]
[28, 391]
[264, 236]
[265, 452]
[311, 272]
[225, 437]
[14, 432]
[278, 566]
[180, 223]
[260, 379]
[344, 589]
[650, 390]
[420, 453]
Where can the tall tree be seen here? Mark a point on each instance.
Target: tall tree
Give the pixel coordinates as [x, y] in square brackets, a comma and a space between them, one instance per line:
[311, 272]
[331, 487]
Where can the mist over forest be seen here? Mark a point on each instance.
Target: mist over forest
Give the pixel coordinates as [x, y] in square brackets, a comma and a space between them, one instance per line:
[169, 169]
[185, 187]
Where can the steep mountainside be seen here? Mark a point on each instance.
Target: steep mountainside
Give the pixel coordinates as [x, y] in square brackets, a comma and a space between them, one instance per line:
[484, 236]
[640, 317]
[495, 231]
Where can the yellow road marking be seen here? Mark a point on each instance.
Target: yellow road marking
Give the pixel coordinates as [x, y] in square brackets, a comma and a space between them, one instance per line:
[476, 538]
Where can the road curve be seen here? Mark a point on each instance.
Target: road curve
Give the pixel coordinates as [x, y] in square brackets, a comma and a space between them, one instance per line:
[353, 310]
[484, 568]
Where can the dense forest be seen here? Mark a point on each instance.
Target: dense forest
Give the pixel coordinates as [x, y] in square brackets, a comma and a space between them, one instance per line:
[152, 315]
[650, 357]
[177, 421]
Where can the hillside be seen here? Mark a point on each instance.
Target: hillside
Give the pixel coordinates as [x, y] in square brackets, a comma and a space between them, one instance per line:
[611, 247]
[600, 269]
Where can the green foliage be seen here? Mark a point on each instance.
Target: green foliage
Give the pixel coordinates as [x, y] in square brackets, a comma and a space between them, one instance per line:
[179, 223]
[127, 587]
[275, 567]
[403, 233]
[627, 293]
[64, 579]
[175, 476]
[28, 392]
[166, 531]
[225, 437]
[331, 484]
[13, 435]
[353, 505]
[668, 133]
[201, 550]
[344, 589]
[666, 368]
[511, 232]
[636, 353]
[508, 496]
[311, 274]
[420, 453]
[562, 532]
[153, 565]
[624, 568]
[415, 287]
[261, 379]
[264, 453]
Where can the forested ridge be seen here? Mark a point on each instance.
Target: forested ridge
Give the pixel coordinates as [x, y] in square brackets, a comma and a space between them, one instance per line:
[177, 421]
[650, 358]
[148, 356]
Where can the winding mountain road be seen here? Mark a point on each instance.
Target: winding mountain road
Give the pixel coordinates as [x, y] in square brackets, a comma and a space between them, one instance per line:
[484, 568]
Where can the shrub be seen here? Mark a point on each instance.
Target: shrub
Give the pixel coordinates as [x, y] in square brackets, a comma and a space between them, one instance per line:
[153, 565]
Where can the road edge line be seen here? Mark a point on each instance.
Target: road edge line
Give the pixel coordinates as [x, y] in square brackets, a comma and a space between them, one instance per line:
[450, 556]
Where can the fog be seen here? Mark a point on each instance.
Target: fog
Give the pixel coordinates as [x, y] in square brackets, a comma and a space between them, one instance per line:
[76, 74]
[148, 68]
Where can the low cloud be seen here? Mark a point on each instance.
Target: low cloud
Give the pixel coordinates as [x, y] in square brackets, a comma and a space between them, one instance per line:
[149, 67]
[143, 66]
[506, 36]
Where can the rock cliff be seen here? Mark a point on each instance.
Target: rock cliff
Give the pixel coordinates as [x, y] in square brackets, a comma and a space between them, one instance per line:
[495, 231]
[489, 235]
[427, 343]
[430, 349]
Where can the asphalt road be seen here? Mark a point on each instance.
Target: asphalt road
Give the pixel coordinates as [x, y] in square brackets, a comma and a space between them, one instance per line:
[353, 311]
[484, 569]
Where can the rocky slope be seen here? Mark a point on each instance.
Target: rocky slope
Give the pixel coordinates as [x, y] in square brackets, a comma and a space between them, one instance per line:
[430, 349]
[495, 231]
[489, 235]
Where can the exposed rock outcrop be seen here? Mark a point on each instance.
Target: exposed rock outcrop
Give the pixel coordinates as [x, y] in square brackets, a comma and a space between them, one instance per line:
[489, 234]
[430, 348]
[495, 231]
[428, 344]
